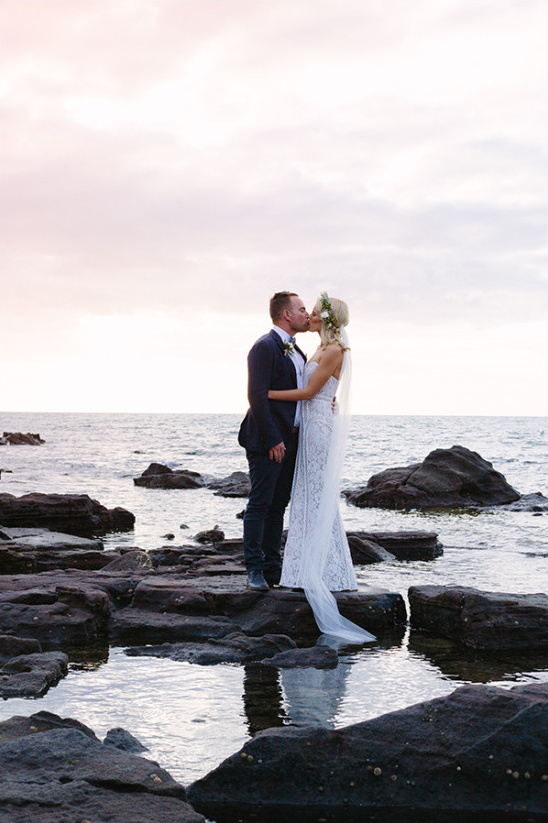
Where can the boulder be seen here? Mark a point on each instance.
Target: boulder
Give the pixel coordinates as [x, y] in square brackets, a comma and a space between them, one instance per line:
[234, 648]
[124, 740]
[64, 775]
[158, 476]
[365, 551]
[18, 726]
[31, 675]
[71, 513]
[20, 439]
[490, 621]
[213, 536]
[235, 485]
[479, 753]
[446, 478]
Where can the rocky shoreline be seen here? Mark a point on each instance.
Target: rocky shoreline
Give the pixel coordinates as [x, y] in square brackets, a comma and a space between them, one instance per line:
[480, 753]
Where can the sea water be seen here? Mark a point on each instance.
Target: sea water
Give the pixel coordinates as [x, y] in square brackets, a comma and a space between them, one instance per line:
[191, 717]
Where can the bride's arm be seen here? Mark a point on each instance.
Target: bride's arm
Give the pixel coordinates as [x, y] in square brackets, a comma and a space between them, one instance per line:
[330, 361]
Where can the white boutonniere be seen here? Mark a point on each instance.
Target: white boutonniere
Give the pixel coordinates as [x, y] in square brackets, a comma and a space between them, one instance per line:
[288, 348]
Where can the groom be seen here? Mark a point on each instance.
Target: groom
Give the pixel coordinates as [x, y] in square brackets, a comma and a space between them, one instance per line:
[269, 434]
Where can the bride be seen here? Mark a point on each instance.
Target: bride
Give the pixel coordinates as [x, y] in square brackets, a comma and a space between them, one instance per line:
[316, 555]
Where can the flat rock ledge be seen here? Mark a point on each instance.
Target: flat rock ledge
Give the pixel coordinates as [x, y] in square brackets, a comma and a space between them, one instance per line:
[478, 754]
[446, 478]
[57, 771]
[488, 621]
[75, 514]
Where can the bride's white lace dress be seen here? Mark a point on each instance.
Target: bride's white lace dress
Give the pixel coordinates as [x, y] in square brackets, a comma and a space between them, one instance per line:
[315, 434]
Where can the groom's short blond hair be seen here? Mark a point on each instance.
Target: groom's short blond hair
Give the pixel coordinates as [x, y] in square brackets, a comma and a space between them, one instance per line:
[279, 303]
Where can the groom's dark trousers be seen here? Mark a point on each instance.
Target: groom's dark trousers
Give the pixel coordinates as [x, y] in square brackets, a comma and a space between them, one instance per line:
[266, 424]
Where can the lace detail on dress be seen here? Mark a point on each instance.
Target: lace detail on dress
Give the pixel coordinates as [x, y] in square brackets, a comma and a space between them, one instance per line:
[308, 481]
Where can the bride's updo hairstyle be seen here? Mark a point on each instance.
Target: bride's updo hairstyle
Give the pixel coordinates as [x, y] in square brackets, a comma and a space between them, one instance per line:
[334, 314]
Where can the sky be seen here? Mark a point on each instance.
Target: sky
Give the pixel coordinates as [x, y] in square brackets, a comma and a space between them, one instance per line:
[167, 165]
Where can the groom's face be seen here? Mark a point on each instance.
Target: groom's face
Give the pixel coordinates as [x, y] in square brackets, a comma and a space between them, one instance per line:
[299, 318]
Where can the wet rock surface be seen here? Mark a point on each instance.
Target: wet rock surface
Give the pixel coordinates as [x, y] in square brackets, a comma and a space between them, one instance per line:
[63, 774]
[234, 648]
[490, 621]
[446, 478]
[76, 514]
[479, 753]
[31, 675]
[375, 547]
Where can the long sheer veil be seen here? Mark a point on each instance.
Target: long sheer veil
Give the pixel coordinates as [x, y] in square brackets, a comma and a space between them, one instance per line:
[315, 551]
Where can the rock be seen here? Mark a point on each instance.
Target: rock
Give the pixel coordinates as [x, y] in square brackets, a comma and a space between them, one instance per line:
[11, 646]
[213, 536]
[408, 545]
[234, 648]
[31, 675]
[71, 513]
[19, 439]
[367, 551]
[64, 775]
[123, 740]
[490, 621]
[31, 561]
[18, 726]
[235, 485]
[447, 478]
[479, 753]
[320, 657]
[535, 503]
[158, 476]
[130, 561]
[58, 616]
[42, 539]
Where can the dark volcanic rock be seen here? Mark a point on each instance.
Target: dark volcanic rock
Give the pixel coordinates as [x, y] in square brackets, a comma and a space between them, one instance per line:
[158, 476]
[212, 536]
[367, 551]
[64, 776]
[491, 621]
[446, 478]
[235, 485]
[31, 675]
[11, 646]
[57, 616]
[408, 545]
[320, 657]
[18, 726]
[71, 513]
[234, 648]
[479, 751]
[20, 439]
[124, 740]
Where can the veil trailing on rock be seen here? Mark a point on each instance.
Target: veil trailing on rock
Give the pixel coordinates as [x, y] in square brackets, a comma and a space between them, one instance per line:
[318, 538]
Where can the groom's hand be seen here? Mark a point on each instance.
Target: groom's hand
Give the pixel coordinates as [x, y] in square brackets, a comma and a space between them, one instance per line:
[277, 452]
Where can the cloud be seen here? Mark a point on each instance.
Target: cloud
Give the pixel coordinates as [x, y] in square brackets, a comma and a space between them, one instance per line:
[193, 157]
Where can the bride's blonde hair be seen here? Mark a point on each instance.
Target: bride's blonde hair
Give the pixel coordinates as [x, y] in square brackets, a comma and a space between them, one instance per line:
[334, 315]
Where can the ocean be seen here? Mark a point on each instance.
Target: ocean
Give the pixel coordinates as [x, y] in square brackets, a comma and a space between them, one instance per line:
[191, 717]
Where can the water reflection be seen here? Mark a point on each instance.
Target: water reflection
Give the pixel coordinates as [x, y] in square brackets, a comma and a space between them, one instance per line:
[262, 698]
[456, 662]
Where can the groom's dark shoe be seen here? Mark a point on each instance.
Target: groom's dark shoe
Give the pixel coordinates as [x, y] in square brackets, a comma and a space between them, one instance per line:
[255, 580]
[272, 579]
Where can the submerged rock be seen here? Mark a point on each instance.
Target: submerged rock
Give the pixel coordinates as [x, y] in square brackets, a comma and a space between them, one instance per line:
[71, 513]
[234, 648]
[478, 753]
[446, 478]
[491, 621]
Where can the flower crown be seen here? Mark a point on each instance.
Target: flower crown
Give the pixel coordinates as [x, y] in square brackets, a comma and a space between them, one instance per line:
[326, 312]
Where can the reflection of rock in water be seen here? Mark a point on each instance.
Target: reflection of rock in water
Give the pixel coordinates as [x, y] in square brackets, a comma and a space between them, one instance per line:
[262, 698]
[456, 662]
[314, 696]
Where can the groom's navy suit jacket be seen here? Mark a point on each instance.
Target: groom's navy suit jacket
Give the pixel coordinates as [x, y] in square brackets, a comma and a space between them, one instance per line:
[268, 422]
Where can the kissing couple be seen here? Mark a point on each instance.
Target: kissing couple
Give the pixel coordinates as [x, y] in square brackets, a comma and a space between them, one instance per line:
[295, 438]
